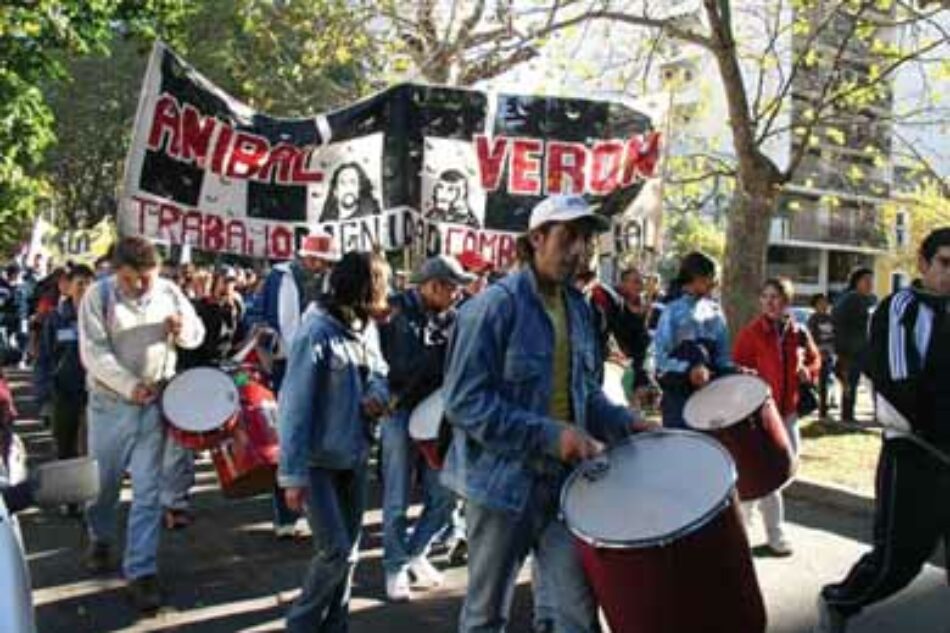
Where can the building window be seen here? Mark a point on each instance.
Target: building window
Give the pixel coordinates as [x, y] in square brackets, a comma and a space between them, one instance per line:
[901, 229]
[801, 265]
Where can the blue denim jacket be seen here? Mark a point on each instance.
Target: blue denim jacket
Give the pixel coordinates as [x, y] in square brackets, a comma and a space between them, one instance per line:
[498, 385]
[692, 330]
[330, 370]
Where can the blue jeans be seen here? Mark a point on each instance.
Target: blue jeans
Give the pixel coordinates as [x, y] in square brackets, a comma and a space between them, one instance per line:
[125, 436]
[178, 475]
[398, 457]
[672, 404]
[335, 502]
[499, 542]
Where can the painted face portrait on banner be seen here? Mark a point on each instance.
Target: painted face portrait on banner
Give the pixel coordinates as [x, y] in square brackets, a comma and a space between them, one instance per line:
[351, 195]
[351, 187]
[450, 189]
[450, 200]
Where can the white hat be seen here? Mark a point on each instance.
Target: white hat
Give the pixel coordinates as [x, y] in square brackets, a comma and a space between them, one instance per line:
[319, 244]
[563, 208]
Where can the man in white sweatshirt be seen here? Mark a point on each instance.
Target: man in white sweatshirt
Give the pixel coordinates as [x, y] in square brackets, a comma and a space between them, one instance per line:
[129, 326]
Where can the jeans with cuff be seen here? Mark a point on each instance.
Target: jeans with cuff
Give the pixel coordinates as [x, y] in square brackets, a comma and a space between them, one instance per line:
[127, 437]
[335, 500]
[439, 503]
[178, 475]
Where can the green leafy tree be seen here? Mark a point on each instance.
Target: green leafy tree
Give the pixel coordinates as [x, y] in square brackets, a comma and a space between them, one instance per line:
[821, 75]
[35, 38]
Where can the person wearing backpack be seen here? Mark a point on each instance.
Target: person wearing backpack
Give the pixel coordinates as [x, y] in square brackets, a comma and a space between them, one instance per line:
[59, 355]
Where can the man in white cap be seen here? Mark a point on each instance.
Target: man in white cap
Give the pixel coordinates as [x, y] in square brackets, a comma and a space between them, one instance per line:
[414, 340]
[288, 290]
[522, 396]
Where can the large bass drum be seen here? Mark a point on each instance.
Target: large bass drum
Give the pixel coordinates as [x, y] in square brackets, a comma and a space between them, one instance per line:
[661, 538]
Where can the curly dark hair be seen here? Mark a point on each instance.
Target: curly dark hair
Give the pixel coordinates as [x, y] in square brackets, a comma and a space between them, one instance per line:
[135, 252]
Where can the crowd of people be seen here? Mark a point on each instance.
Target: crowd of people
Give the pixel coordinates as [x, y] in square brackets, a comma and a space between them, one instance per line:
[519, 358]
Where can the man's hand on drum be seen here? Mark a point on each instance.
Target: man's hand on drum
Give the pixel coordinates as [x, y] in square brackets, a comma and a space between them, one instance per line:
[295, 498]
[173, 325]
[642, 424]
[143, 394]
[699, 376]
[576, 446]
[373, 408]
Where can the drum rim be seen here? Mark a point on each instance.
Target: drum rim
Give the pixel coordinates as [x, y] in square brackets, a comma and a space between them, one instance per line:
[435, 395]
[164, 412]
[690, 528]
[745, 413]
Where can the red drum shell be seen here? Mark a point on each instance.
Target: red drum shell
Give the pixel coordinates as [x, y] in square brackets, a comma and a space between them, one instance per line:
[704, 582]
[246, 463]
[203, 441]
[762, 451]
[661, 540]
[738, 410]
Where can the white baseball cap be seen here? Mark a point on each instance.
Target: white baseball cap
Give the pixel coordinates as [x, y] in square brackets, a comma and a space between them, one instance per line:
[563, 208]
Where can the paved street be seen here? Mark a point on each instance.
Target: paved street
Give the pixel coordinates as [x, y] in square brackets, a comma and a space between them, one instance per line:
[226, 573]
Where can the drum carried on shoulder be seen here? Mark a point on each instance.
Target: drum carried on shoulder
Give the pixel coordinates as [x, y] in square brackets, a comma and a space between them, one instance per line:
[234, 416]
[661, 537]
[739, 412]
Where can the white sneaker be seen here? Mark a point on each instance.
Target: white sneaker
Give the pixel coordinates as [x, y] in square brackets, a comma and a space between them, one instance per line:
[285, 531]
[830, 620]
[425, 572]
[780, 547]
[397, 586]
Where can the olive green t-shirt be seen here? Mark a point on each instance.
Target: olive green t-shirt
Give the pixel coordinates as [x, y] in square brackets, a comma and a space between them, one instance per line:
[559, 406]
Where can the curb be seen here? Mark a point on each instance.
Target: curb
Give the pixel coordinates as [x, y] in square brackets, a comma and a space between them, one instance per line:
[831, 496]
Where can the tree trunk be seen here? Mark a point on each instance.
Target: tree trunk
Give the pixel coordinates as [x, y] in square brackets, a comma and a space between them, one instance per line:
[747, 239]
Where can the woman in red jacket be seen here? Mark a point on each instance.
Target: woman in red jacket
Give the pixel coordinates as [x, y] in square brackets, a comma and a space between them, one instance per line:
[782, 354]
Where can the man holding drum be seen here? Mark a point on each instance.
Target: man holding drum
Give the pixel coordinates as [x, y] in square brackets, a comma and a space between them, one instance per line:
[522, 395]
[129, 327]
[909, 363]
[414, 340]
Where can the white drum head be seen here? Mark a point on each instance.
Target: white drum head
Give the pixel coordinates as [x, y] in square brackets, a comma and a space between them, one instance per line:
[613, 384]
[425, 419]
[200, 400]
[660, 485]
[725, 401]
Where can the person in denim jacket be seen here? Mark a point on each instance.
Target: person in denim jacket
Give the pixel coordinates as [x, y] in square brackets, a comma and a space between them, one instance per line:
[334, 387]
[691, 342]
[414, 342]
[522, 395]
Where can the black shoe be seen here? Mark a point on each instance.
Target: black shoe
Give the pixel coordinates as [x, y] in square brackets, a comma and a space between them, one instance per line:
[458, 553]
[98, 558]
[145, 594]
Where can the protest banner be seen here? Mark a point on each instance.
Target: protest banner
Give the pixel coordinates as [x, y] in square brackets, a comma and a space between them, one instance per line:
[60, 245]
[435, 169]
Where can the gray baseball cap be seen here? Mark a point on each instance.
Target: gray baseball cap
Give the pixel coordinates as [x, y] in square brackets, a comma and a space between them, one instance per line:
[444, 267]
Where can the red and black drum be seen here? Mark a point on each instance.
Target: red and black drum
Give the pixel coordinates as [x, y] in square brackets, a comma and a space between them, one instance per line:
[661, 538]
[201, 407]
[246, 461]
[739, 411]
